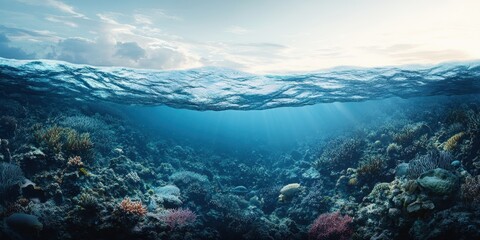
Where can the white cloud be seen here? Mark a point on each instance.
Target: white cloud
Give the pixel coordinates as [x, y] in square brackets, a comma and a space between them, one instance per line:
[61, 6]
[237, 30]
[64, 8]
[161, 13]
[142, 19]
[62, 21]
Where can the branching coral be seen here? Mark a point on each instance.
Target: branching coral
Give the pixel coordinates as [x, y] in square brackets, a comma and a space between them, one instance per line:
[179, 217]
[331, 226]
[132, 207]
[339, 154]
[370, 167]
[410, 132]
[50, 137]
[75, 161]
[57, 139]
[471, 190]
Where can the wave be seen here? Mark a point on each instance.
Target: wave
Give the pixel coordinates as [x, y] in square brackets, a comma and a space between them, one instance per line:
[212, 88]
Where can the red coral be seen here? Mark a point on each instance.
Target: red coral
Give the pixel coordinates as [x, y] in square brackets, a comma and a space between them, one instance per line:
[330, 226]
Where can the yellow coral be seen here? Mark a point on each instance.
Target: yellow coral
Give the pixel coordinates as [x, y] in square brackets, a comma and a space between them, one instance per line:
[452, 142]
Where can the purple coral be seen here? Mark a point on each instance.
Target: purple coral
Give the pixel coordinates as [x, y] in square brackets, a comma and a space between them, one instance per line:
[330, 226]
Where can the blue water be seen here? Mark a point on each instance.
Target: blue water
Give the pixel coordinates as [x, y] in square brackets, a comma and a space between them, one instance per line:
[279, 129]
[251, 111]
[226, 89]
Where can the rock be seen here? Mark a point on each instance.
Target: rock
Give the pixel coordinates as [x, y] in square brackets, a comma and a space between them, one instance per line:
[428, 205]
[25, 225]
[414, 207]
[30, 190]
[456, 164]
[438, 181]
[448, 224]
[288, 191]
[419, 206]
[239, 190]
[169, 195]
[401, 170]
[311, 173]
[393, 212]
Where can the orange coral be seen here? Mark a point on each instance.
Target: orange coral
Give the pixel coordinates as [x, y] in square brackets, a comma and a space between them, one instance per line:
[132, 207]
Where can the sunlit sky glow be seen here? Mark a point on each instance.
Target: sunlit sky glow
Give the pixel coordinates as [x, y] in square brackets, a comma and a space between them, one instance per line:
[254, 36]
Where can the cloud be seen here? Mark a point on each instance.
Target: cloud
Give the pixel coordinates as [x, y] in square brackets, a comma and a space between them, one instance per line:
[416, 53]
[237, 30]
[263, 45]
[165, 58]
[64, 8]
[18, 32]
[12, 52]
[142, 19]
[78, 50]
[57, 19]
[61, 6]
[431, 55]
[152, 13]
[130, 50]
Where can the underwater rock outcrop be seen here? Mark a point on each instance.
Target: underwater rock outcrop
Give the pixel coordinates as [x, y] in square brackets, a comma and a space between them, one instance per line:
[439, 181]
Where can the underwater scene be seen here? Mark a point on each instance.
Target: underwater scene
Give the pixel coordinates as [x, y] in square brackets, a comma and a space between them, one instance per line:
[87, 153]
[232, 120]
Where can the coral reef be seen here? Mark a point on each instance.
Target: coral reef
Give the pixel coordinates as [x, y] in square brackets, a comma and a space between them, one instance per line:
[90, 171]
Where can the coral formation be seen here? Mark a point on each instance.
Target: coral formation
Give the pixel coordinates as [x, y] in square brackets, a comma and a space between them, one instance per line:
[132, 207]
[330, 226]
[96, 172]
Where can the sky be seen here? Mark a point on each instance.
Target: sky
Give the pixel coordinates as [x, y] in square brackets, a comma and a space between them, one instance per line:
[269, 36]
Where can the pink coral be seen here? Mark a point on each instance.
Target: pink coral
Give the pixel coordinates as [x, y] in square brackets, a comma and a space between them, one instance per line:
[329, 226]
[179, 217]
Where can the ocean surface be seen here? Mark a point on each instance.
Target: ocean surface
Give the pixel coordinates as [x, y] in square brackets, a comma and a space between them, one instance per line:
[215, 153]
[226, 89]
